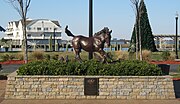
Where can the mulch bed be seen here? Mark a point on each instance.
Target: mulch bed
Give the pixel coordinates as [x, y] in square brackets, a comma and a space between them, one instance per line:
[165, 62]
[12, 62]
[153, 62]
[176, 79]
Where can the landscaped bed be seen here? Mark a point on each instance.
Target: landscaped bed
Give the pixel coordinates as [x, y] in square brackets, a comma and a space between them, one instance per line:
[66, 80]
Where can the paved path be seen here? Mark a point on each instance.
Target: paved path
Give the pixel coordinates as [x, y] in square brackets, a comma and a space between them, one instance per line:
[2, 89]
[174, 67]
[7, 69]
[91, 102]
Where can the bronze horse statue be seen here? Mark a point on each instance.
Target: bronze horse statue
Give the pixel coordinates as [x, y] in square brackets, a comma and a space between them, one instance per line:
[91, 44]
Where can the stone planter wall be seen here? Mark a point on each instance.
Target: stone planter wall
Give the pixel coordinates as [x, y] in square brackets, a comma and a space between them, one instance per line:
[72, 87]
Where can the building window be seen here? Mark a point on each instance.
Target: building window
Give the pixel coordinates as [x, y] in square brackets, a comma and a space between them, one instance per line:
[38, 28]
[29, 35]
[17, 34]
[46, 28]
[29, 28]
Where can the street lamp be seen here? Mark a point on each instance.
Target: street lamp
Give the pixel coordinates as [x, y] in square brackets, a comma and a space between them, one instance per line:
[90, 23]
[176, 17]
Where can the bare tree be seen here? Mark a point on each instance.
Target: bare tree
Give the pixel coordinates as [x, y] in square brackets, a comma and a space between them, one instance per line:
[137, 27]
[22, 6]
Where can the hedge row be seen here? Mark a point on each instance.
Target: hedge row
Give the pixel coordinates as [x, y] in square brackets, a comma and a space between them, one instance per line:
[91, 67]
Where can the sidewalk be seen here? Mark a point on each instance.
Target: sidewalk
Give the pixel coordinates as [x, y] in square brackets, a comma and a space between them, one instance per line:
[91, 102]
[2, 89]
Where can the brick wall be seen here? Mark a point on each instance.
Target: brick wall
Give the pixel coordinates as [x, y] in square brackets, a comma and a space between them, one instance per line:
[72, 87]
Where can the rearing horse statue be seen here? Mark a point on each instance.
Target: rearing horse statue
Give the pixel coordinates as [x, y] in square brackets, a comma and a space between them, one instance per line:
[91, 44]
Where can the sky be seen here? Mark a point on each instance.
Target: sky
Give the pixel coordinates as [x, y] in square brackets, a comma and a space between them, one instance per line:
[118, 15]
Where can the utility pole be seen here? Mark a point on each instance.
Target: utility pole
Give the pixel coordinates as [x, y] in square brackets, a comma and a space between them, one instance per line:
[176, 40]
[90, 24]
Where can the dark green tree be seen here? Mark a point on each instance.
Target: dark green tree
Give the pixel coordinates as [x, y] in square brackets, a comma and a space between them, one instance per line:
[147, 38]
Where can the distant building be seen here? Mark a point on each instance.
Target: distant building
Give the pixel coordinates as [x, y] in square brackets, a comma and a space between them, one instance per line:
[121, 44]
[120, 41]
[38, 34]
[166, 42]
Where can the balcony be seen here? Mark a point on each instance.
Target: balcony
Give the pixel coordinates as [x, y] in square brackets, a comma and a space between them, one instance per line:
[43, 37]
[8, 32]
[8, 37]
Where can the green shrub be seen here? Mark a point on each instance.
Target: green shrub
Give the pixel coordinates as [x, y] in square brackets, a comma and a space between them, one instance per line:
[146, 55]
[5, 57]
[47, 57]
[172, 56]
[122, 55]
[20, 56]
[165, 55]
[131, 55]
[55, 57]
[38, 55]
[11, 57]
[91, 67]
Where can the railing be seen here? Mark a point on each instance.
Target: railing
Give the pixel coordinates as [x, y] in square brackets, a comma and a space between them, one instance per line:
[8, 37]
[43, 38]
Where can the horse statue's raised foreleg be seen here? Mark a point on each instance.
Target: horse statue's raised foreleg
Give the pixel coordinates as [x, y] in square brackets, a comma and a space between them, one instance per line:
[104, 56]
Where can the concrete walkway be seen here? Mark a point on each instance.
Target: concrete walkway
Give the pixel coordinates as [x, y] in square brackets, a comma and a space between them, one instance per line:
[7, 69]
[2, 89]
[91, 102]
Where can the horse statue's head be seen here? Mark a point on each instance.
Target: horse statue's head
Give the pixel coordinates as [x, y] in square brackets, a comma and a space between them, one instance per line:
[105, 35]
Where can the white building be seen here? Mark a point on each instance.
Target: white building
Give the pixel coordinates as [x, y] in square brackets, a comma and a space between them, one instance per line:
[38, 34]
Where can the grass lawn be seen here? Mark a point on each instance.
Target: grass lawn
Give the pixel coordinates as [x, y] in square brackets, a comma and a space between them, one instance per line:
[175, 75]
[156, 56]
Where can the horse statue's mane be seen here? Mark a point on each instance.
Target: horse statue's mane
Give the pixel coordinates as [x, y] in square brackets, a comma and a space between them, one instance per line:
[105, 30]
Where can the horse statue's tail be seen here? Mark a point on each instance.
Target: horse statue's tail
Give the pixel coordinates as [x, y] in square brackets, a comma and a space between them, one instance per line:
[68, 32]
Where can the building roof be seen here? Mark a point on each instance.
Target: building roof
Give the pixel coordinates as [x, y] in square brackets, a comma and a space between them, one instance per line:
[2, 29]
[56, 22]
[30, 21]
[16, 23]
